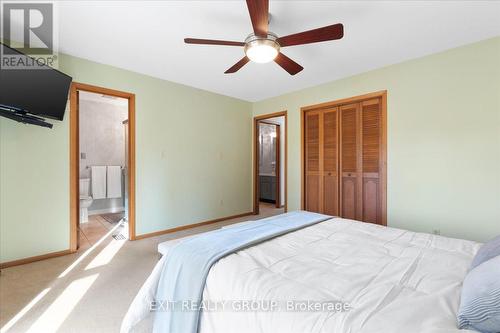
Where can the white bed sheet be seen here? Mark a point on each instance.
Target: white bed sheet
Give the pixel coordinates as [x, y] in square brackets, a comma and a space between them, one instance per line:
[393, 280]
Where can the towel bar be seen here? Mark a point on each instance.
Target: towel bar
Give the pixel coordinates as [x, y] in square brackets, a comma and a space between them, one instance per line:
[89, 166]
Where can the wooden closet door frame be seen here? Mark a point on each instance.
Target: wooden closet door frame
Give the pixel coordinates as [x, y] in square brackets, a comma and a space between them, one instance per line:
[256, 121]
[382, 95]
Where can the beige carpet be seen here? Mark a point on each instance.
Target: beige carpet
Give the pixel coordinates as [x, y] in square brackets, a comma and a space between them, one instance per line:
[89, 291]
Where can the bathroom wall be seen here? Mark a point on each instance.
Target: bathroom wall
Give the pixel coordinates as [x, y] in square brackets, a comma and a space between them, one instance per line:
[102, 140]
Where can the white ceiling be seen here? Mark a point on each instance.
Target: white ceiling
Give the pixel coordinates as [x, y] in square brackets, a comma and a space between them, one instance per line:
[147, 37]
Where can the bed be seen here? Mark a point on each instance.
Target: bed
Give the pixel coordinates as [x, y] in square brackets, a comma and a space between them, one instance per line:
[390, 280]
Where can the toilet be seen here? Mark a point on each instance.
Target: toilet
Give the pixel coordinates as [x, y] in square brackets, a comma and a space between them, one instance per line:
[85, 199]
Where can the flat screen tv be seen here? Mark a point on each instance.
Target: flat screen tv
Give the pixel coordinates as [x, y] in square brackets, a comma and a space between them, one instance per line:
[32, 93]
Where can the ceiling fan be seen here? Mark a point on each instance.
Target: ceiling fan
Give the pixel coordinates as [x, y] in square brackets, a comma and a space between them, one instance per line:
[263, 46]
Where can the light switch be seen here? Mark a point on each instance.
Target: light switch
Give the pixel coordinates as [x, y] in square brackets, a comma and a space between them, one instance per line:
[83, 156]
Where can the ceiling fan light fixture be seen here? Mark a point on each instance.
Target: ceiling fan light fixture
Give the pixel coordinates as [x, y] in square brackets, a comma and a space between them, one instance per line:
[264, 46]
[261, 50]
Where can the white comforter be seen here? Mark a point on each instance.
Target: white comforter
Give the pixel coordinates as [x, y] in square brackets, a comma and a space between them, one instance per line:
[393, 280]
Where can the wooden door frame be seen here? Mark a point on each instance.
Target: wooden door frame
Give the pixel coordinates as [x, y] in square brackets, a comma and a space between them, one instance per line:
[74, 158]
[277, 166]
[277, 157]
[256, 121]
[383, 141]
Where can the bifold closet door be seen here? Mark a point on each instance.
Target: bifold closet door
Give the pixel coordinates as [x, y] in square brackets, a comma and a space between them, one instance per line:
[371, 137]
[361, 142]
[313, 184]
[330, 161]
[321, 160]
[344, 158]
[350, 162]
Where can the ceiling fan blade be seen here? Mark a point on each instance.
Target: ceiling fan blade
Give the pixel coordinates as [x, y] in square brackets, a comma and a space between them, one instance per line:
[259, 14]
[288, 64]
[212, 42]
[331, 32]
[236, 67]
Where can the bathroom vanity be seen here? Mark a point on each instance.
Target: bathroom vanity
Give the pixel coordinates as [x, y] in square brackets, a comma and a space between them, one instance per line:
[267, 186]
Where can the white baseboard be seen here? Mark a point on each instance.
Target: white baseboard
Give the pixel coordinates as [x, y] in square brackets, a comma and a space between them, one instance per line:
[107, 210]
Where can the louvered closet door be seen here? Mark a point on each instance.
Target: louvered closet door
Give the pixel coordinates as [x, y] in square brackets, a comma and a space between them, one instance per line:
[350, 163]
[345, 160]
[330, 161]
[312, 161]
[371, 155]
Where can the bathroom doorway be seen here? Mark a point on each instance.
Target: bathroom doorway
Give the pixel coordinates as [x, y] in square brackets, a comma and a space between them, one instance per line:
[102, 164]
[270, 163]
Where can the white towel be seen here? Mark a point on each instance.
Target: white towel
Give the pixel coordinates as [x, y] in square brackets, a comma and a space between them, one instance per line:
[114, 181]
[98, 182]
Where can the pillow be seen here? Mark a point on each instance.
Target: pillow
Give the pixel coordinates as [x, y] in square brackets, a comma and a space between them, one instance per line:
[486, 252]
[480, 302]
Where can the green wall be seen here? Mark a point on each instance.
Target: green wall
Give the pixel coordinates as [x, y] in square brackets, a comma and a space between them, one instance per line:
[194, 155]
[193, 160]
[443, 138]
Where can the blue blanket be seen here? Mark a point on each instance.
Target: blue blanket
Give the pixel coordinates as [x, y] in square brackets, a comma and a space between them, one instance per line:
[187, 265]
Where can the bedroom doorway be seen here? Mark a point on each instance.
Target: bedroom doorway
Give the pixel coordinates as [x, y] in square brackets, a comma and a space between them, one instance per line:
[102, 165]
[270, 163]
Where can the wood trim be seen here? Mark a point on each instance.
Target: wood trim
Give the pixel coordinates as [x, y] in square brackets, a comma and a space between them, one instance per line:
[286, 164]
[74, 201]
[131, 167]
[271, 115]
[383, 157]
[278, 166]
[382, 95]
[35, 258]
[302, 160]
[101, 90]
[255, 167]
[339, 162]
[256, 121]
[343, 101]
[75, 160]
[190, 226]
